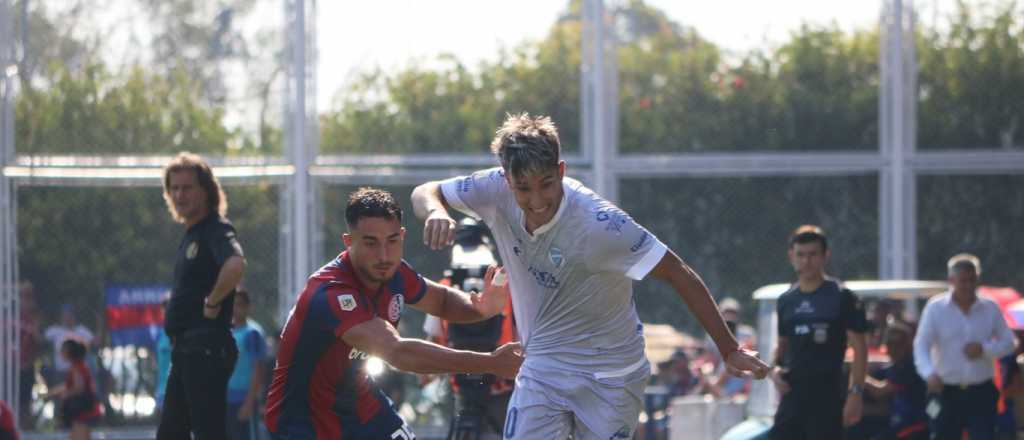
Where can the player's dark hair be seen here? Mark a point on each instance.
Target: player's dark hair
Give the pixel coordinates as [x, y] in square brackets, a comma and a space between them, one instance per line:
[526, 144]
[371, 202]
[75, 350]
[216, 200]
[808, 234]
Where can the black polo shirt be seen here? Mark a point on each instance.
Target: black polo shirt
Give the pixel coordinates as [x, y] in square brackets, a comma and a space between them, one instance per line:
[201, 254]
[815, 325]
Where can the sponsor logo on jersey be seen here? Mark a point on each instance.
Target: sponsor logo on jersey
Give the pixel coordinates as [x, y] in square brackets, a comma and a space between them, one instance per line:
[395, 308]
[192, 250]
[545, 279]
[639, 243]
[356, 354]
[347, 302]
[465, 184]
[805, 307]
[615, 220]
[555, 255]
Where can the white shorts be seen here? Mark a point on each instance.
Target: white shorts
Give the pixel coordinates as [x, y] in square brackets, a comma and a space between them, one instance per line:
[555, 405]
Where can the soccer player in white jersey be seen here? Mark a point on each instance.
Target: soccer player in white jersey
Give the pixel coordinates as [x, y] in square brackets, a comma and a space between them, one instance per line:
[571, 257]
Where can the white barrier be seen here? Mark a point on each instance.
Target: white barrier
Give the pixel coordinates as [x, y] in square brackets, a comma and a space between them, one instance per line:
[703, 417]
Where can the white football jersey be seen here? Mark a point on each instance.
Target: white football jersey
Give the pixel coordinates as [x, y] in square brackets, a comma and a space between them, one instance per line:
[571, 280]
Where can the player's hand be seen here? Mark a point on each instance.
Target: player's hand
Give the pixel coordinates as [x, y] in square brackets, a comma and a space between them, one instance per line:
[743, 362]
[492, 300]
[780, 382]
[507, 360]
[853, 409]
[934, 384]
[973, 350]
[438, 230]
[211, 312]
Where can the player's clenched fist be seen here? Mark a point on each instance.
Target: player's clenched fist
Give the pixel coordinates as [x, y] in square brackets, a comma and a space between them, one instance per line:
[744, 362]
[507, 360]
[438, 230]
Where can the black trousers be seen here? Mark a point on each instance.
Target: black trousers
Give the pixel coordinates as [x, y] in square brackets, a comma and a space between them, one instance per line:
[195, 402]
[972, 408]
[811, 410]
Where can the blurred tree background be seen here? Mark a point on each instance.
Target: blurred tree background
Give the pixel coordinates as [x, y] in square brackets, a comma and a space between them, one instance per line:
[679, 92]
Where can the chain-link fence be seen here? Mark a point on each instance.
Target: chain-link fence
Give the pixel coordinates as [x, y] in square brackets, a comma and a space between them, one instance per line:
[720, 154]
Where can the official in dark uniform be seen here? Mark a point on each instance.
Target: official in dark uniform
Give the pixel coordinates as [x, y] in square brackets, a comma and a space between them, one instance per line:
[207, 268]
[817, 319]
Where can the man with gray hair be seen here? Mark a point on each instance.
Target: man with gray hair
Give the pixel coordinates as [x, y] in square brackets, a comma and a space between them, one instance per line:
[571, 258]
[959, 337]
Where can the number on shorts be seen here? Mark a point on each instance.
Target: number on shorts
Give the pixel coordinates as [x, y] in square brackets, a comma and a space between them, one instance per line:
[510, 422]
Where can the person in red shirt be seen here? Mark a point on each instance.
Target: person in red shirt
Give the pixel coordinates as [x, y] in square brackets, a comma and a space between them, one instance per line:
[349, 311]
[7, 431]
[80, 409]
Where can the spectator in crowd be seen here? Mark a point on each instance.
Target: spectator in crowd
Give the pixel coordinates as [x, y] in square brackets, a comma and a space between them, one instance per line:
[1008, 380]
[163, 362]
[80, 407]
[67, 328]
[7, 430]
[245, 387]
[678, 375]
[29, 338]
[818, 319]
[966, 333]
[900, 386]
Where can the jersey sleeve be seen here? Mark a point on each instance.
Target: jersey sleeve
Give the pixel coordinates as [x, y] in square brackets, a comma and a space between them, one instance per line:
[410, 283]
[780, 326]
[475, 195]
[853, 312]
[348, 309]
[224, 242]
[616, 243]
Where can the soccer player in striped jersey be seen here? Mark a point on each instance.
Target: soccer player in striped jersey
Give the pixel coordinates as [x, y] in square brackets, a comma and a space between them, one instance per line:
[350, 310]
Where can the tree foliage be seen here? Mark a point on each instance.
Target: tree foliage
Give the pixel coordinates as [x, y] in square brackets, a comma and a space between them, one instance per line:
[679, 92]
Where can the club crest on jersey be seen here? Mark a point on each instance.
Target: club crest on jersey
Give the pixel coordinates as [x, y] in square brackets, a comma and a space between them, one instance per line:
[347, 302]
[555, 255]
[192, 250]
[805, 307]
[395, 308]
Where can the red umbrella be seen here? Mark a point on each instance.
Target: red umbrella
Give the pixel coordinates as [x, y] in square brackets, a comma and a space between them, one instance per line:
[1009, 301]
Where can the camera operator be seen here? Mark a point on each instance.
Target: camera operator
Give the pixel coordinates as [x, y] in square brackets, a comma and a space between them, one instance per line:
[480, 399]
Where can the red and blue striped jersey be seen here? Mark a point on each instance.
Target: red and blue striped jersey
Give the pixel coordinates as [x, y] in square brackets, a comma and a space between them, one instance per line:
[320, 388]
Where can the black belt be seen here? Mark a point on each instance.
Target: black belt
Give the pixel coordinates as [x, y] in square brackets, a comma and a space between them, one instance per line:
[967, 386]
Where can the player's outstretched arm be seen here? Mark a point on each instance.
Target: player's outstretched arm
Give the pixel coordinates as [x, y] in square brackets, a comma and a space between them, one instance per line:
[429, 205]
[457, 306]
[380, 339]
[694, 293]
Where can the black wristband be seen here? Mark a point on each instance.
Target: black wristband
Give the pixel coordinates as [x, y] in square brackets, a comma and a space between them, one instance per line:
[207, 304]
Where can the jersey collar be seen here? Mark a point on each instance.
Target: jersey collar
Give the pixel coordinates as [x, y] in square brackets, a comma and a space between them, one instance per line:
[554, 220]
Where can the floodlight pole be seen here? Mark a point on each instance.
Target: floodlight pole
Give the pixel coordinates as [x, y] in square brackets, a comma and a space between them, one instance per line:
[8, 260]
[599, 99]
[299, 195]
[897, 114]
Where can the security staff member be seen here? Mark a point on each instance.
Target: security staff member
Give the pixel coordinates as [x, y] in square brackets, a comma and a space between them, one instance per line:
[817, 317]
[207, 268]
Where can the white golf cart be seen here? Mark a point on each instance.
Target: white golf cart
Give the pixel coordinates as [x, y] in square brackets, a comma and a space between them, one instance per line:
[763, 398]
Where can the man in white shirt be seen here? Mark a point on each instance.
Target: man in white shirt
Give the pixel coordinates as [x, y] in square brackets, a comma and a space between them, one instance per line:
[959, 337]
[67, 328]
[571, 258]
